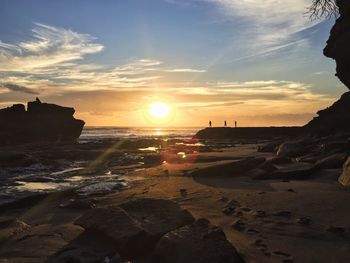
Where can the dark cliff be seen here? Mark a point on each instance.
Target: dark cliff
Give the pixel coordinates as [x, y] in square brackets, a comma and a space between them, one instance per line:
[41, 122]
[248, 132]
[335, 118]
[338, 44]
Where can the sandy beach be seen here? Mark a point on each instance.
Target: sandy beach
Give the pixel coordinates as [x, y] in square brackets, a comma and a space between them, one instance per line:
[265, 220]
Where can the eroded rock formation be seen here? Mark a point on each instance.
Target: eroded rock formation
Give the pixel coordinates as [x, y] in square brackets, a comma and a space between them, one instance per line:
[338, 44]
[41, 122]
[333, 119]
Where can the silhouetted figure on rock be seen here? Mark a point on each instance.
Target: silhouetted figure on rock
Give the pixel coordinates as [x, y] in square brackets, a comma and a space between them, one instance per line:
[210, 124]
[42, 122]
[225, 123]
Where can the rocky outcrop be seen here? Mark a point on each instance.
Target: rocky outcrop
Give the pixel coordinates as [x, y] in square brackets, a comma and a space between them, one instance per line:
[136, 226]
[199, 242]
[149, 230]
[333, 119]
[41, 122]
[344, 179]
[247, 132]
[339, 42]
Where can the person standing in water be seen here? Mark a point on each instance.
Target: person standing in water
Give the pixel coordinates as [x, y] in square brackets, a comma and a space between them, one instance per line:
[225, 123]
[210, 124]
[235, 124]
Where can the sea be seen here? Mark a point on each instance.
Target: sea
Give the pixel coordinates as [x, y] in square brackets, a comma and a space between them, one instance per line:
[92, 133]
[21, 182]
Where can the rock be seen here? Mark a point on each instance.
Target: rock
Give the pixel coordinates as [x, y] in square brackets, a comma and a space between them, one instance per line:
[230, 207]
[42, 122]
[336, 230]
[199, 242]
[331, 162]
[344, 179]
[157, 216]
[290, 149]
[339, 42]
[296, 171]
[283, 214]
[270, 147]
[305, 221]
[10, 226]
[15, 159]
[46, 239]
[280, 160]
[116, 224]
[89, 247]
[116, 259]
[336, 146]
[237, 168]
[247, 133]
[335, 118]
[260, 213]
[238, 225]
[78, 204]
[136, 226]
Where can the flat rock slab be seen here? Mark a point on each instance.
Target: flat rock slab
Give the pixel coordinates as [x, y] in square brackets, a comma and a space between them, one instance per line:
[114, 223]
[38, 243]
[136, 226]
[89, 247]
[158, 216]
[199, 242]
[237, 168]
[296, 171]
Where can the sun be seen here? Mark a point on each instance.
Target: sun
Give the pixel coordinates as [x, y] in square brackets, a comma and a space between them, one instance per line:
[159, 110]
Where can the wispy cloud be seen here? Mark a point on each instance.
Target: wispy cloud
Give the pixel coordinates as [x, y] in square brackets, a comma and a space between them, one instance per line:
[185, 70]
[18, 88]
[272, 20]
[49, 47]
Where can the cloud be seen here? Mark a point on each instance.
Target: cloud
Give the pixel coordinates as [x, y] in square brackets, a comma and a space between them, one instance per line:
[18, 88]
[49, 47]
[185, 70]
[262, 28]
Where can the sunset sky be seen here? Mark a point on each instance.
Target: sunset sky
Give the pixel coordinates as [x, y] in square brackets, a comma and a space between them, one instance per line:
[257, 62]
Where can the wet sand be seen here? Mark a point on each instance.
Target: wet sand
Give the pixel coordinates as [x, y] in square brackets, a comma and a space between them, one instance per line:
[266, 221]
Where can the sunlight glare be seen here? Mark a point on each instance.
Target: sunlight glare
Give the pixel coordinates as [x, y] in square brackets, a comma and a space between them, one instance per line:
[159, 110]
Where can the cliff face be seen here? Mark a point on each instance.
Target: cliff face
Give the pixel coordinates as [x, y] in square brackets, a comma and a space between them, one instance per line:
[335, 118]
[41, 122]
[338, 44]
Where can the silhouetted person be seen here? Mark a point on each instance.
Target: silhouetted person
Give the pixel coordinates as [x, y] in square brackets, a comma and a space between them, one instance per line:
[235, 124]
[225, 123]
[210, 124]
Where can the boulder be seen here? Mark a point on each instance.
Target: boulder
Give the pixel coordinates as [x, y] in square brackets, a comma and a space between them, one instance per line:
[336, 146]
[157, 216]
[88, 247]
[270, 147]
[136, 226]
[237, 168]
[332, 161]
[293, 171]
[199, 242]
[42, 122]
[39, 242]
[290, 149]
[344, 179]
[116, 224]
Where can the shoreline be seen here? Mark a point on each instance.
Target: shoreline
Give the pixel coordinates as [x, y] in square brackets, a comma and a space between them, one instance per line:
[267, 215]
